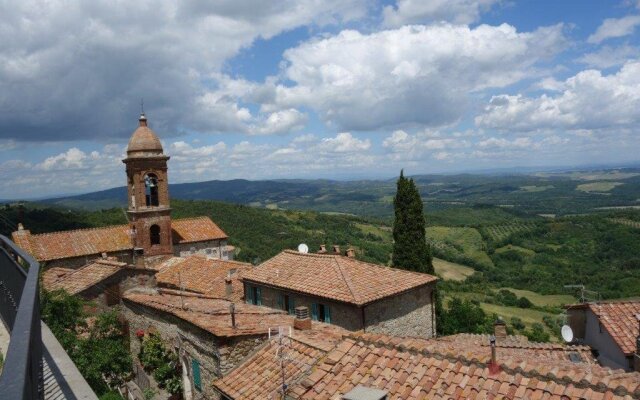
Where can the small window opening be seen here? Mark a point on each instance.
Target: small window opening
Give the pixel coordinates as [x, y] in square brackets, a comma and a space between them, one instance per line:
[151, 190]
[154, 233]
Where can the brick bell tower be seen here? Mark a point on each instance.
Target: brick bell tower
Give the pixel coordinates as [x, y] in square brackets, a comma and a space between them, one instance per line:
[148, 192]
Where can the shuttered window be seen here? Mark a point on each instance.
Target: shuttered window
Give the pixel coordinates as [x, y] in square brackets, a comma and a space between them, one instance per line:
[314, 311]
[195, 368]
[249, 294]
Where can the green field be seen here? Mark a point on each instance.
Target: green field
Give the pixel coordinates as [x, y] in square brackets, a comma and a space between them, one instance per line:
[451, 271]
[461, 242]
[598, 186]
[542, 300]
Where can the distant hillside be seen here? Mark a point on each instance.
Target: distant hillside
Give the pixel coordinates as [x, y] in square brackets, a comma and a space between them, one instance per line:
[600, 251]
[564, 193]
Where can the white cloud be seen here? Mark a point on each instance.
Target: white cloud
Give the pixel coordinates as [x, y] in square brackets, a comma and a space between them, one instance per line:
[278, 122]
[77, 70]
[590, 100]
[418, 11]
[344, 143]
[414, 75]
[608, 56]
[615, 27]
[404, 146]
[71, 159]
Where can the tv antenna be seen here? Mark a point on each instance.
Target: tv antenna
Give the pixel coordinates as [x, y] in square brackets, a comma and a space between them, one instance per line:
[303, 248]
[586, 296]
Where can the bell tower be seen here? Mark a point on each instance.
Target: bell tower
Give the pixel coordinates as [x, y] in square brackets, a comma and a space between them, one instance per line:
[148, 192]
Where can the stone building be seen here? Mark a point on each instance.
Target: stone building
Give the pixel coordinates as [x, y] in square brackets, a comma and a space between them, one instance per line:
[151, 232]
[101, 281]
[210, 338]
[611, 328]
[341, 290]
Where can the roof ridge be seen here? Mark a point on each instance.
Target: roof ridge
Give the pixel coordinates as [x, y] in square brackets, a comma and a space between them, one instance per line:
[347, 281]
[352, 259]
[600, 387]
[93, 228]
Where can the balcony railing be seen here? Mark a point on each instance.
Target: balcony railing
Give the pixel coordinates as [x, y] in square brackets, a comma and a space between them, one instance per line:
[22, 376]
[36, 365]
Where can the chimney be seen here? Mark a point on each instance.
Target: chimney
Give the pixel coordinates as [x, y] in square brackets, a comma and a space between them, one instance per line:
[336, 249]
[323, 249]
[232, 311]
[636, 357]
[302, 321]
[351, 253]
[494, 368]
[500, 329]
[228, 286]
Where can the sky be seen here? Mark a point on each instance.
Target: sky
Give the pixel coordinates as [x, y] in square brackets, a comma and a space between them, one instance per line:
[332, 89]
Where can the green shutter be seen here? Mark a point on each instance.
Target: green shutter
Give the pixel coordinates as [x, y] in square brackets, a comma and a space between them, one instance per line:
[195, 368]
[292, 306]
[248, 294]
[259, 296]
[281, 301]
[314, 311]
[327, 314]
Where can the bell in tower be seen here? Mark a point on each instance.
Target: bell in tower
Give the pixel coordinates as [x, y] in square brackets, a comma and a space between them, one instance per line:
[148, 192]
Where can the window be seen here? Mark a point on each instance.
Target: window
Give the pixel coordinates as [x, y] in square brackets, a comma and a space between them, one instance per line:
[154, 234]
[195, 368]
[151, 190]
[253, 295]
[320, 312]
[286, 303]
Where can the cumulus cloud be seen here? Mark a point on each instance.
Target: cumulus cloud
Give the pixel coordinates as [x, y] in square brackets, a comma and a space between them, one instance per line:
[615, 27]
[77, 70]
[404, 146]
[590, 100]
[419, 11]
[419, 75]
[608, 56]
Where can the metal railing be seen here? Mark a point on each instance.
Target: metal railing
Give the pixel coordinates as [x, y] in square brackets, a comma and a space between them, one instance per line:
[22, 376]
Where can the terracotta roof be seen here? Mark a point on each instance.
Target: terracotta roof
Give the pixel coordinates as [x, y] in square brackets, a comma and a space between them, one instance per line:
[414, 373]
[516, 347]
[202, 275]
[335, 277]
[198, 229]
[76, 281]
[212, 314]
[83, 242]
[74, 243]
[144, 139]
[619, 319]
[260, 376]
[53, 274]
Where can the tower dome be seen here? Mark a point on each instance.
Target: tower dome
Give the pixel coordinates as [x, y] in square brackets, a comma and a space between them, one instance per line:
[144, 141]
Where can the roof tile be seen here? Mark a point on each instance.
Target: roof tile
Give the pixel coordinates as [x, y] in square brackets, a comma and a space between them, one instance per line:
[83, 242]
[335, 277]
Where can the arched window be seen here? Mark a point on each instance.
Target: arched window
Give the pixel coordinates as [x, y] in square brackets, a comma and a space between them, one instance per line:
[151, 190]
[154, 234]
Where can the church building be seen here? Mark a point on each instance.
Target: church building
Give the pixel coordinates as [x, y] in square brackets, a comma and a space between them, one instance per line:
[150, 234]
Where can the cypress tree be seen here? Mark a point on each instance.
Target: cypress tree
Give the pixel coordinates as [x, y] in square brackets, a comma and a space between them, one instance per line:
[410, 248]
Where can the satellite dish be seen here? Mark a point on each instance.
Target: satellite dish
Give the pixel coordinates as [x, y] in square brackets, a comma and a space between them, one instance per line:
[567, 333]
[303, 248]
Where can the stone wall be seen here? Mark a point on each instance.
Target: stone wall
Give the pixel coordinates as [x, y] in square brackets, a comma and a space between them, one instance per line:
[210, 248]
[108, 292]
[344, 315]
[216, 355]
[408, 314]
